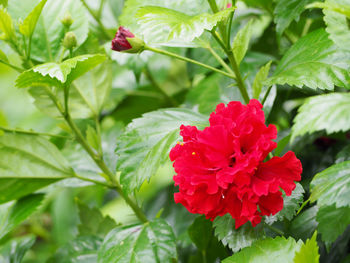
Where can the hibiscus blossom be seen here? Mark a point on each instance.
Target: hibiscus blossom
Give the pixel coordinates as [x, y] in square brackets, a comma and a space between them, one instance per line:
[220, 169]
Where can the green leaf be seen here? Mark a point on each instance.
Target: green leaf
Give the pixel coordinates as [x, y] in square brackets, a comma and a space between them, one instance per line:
[343, 155]
[151, 242]
[286, 11]
[343, 9]
[332, 222]
[41, 164]
[332, 186]
[308, 252]
[337, 24]
[92, 222]
[236, 239]
[324, 112]
[241, 42]
[147, 142]
[29, 23]
[260, 78]
[95, 86]
[14, 250]
[200, 232]
[3, 56]
[12, 215]
[278, 250]
[82, 249]
[53, 74]
[161, 25]
[291, 204]
[131, 7]
[49, 31]
[6, 26]
[304, 224]
[313, 61]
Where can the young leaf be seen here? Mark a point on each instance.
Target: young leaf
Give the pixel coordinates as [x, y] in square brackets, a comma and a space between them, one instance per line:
[279, 249]
[147, 142]
[308, 252]
[286, 11]
[14, 250]
[200, 232]
[313, 61]
[290, 205]
[337, 24]
[241, 42]
[92, 222]
[236, 239]
[260, 77]
[332, 222]
[341, 8]
[41, 164]
[6, 26]
[12, 215]
[151, 242]
[53, 74]
[161, 25]
[324, 112]
[332, 186]
[49, 31]
[29, 23]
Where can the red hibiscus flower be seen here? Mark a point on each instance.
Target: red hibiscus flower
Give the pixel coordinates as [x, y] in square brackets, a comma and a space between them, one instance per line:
[125, 41]
[220, 169]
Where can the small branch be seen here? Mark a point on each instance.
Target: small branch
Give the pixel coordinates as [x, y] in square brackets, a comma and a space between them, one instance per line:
[92, 181]
[94, 156]
[220, 60]
[167, 53]
[20, 70]
[97, 19]
[150, 77]
[266, 95]
[9, 130]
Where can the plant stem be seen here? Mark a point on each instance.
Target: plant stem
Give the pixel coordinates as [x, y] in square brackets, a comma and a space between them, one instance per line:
[20, 70]
[266, 95]
[234, 65]
[96, 157]
[9, 130]
[170, 54]
[97, 19]
[92, 181]
[274, 229]
[219, 59]
[150, 77]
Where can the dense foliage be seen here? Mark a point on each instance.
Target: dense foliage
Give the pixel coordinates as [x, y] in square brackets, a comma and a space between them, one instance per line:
[86, 130]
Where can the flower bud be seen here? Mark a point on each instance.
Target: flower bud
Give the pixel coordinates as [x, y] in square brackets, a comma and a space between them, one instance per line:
[70, 40]
[125, 41]
[67, 20]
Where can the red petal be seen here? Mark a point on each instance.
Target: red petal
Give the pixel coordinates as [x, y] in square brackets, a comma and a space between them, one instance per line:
[271, 204]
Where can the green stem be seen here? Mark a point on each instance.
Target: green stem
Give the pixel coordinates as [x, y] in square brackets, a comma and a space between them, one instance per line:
[219, 59]
[204, 256]
[20, 70]
[97, 19]
[234, 65]
[221, 25]
[93, 181]
[150, 77]
[99, 12]
[32, 132]
[240, 82]
[274, 229]
[266, 95]
[97, 158]
[170, 54]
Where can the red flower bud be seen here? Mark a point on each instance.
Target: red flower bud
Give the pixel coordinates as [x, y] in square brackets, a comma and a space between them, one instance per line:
[229, 5]
[125, 41]
[120, 43]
